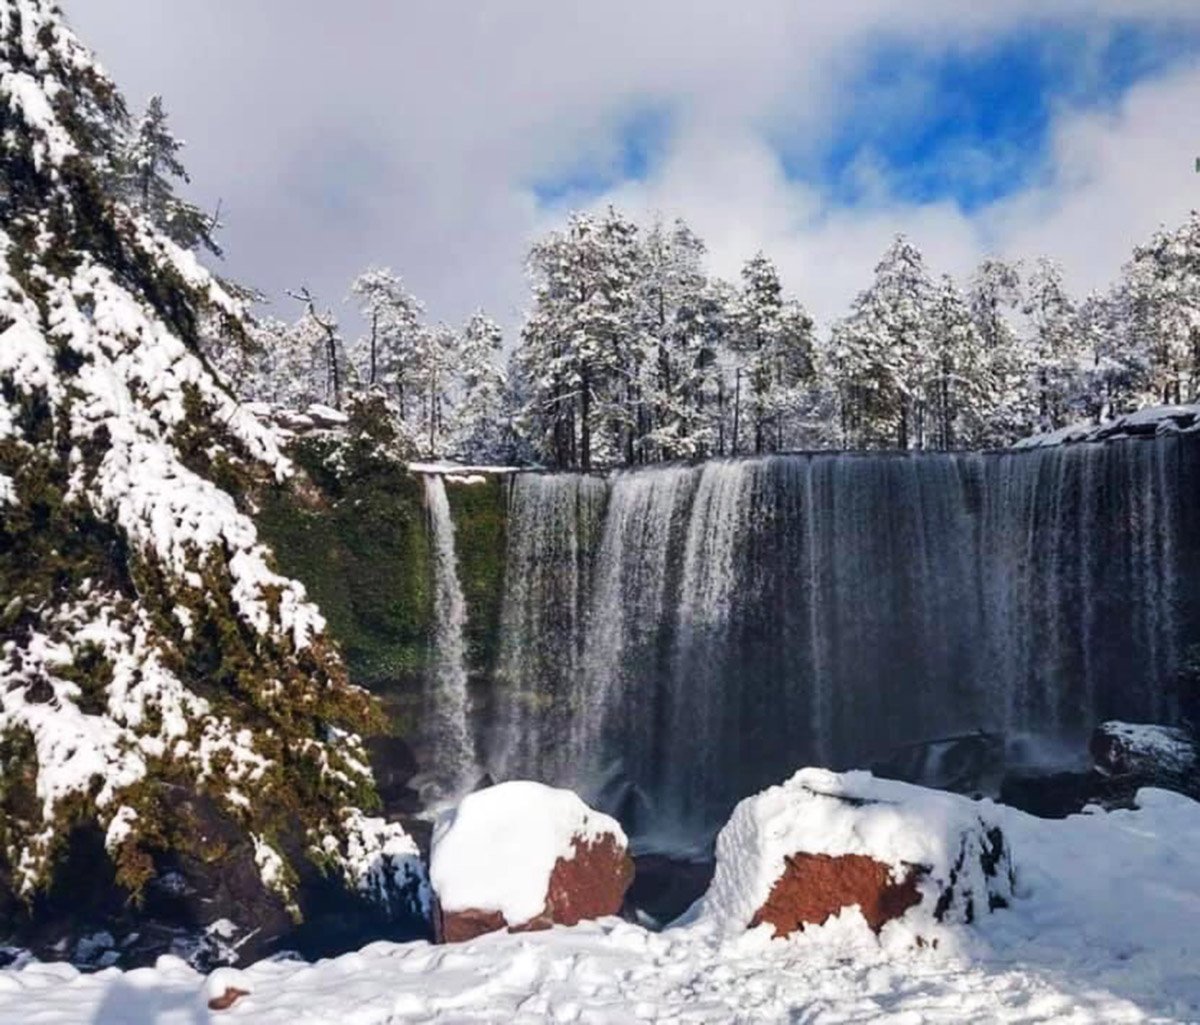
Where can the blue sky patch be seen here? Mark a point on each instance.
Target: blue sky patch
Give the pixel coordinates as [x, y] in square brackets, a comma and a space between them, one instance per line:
[973, 124]
[639, 140]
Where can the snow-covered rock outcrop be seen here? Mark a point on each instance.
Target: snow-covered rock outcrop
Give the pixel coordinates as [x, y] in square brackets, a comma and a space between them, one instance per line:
[525, 856]
[799, 853]
[1145, 423]
[1149, 755]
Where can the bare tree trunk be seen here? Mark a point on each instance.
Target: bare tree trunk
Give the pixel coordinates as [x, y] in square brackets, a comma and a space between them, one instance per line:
[737, 408]
[720, 414]
[432, 412]
[374, 338]
[334, 375]
[585, 427]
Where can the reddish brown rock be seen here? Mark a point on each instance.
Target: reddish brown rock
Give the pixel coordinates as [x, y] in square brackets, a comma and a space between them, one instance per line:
[815, 887]
[592, 884]
[227, 999]
[460, 926]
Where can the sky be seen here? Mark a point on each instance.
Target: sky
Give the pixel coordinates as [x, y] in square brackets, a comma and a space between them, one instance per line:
[440, 137]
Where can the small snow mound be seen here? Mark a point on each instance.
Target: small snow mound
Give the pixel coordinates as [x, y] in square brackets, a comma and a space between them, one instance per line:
[497, 850]
[945, 850]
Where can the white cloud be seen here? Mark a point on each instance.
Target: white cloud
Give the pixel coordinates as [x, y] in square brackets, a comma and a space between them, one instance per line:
[340, 135]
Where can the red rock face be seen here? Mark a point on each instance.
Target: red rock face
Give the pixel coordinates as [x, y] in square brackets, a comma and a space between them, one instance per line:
[815, 887]
[591, 884]
[460, 926]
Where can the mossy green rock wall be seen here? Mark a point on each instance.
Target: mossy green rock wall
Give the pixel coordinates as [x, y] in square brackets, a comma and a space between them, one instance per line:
[480, 538]
[355, 531]
[355, 534]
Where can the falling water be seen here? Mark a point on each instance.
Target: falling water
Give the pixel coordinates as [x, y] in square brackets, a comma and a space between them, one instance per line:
[700, 631]
[630, 617]
[553, 523]
[448, 733]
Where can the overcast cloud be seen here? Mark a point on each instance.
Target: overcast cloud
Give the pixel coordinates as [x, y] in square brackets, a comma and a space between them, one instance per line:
[439, 137]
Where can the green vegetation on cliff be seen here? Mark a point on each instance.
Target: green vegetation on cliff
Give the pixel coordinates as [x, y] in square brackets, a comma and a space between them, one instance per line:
[354, 534]
[479, 511]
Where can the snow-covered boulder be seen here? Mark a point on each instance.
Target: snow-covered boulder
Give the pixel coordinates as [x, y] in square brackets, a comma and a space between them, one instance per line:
[799, 853]
[1163, 755]
[525, 856]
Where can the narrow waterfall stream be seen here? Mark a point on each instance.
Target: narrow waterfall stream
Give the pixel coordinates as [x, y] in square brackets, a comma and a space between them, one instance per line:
[454, 765]
[676, 637]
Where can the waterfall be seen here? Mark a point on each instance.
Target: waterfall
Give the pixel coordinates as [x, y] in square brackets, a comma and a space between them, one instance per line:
[553, 523]
[701, 711]
[453, 766]
[629, 619]
[697, 632]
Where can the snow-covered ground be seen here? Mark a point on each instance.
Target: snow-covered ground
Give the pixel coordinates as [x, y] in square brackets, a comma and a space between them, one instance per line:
[1107, 930]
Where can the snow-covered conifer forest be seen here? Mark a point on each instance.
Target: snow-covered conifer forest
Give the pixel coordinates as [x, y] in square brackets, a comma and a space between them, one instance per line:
[659, 652]
[631, 353]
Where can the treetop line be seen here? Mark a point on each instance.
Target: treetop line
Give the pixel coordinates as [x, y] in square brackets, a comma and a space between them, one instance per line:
[631, 353]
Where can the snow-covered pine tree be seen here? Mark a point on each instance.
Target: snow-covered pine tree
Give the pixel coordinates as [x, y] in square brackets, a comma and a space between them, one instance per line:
[579, 347]
[773, 337]
[384, 356]
[148, 165]
[880, 354]
[678, 324]
[957, 387]
[1163, 287]
[1053, 348]
[994, 298]
[322, 374]
[479, 430]
[152, 657]
[431, 371]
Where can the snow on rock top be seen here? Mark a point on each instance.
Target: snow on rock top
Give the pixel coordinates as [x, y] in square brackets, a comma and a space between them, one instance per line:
[497, 849]
[820, 812]
[1123, 747]
[1149, 422]
[449, 469]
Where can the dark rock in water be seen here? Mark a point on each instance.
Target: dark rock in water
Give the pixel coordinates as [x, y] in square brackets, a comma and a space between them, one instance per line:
[972, 763]
[483, 782]
[1055, 795]
[1150, 755]
[665, 887]
[1127, 757]
[421, 830]
[394, 766]
[10, 956]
